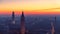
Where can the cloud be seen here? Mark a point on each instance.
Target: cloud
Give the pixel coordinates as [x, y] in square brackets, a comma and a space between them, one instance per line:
[53, 9]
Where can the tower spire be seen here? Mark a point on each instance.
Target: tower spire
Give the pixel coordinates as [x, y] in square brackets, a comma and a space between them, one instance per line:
[13, 17]
[22, 23]
[22, 13]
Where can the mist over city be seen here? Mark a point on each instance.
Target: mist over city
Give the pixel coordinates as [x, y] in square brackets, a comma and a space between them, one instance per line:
[29, 24]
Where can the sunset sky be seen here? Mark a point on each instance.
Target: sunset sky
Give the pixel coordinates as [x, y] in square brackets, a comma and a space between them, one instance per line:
[30, 6]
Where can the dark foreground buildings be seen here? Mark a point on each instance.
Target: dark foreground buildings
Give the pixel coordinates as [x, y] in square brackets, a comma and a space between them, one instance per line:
[12, 28]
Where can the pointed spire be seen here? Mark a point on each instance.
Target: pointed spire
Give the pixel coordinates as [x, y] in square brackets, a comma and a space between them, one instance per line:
[22, 23]
[13, 15]
[22, 13]
[12, 12]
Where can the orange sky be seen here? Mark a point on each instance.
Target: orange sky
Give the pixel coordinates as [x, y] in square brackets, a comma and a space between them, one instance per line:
[35, 12]
[30, 6]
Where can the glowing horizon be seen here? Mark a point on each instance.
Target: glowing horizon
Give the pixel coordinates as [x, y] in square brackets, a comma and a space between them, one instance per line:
[30, 6]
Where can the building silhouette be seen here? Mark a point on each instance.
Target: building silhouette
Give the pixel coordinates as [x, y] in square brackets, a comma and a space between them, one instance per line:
[13, 17]
[22, 30]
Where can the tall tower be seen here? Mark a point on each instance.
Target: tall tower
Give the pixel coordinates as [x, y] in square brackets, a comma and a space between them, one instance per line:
[22, 30]
[13, 17]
